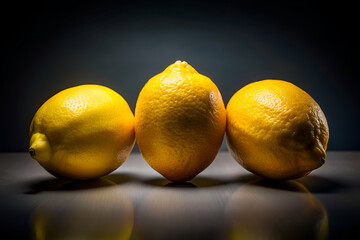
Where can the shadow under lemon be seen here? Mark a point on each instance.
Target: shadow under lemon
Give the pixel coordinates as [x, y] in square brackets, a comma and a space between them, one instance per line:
[266, 209]
[180, 211]
[57, 184]
[104, 213]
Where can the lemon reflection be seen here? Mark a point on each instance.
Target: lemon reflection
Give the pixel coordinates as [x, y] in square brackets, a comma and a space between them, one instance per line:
[106, 213]
[264, 209]
[180, 211]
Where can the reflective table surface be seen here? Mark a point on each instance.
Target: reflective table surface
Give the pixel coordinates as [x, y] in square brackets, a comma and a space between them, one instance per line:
[223, 202]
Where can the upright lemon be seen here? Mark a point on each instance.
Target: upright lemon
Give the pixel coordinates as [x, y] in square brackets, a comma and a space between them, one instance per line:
[180, 122]
[82, 132]
[276, 130]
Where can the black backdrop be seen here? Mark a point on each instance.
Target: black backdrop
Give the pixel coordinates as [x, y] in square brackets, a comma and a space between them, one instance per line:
[47, 47]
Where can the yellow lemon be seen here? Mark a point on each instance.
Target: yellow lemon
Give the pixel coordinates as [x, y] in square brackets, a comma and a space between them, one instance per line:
[180, 122]
[82, 132]
[276, 130]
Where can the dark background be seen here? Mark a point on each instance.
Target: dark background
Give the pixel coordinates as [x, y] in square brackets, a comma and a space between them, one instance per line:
[47, 47]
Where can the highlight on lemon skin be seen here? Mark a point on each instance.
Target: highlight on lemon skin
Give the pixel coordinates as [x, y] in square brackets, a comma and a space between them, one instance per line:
[83, 132]
[180, 122]
[276, 130]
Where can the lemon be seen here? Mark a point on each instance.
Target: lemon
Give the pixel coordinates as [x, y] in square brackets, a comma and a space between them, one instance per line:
[180, 122]
[82, 132]
[276, 130]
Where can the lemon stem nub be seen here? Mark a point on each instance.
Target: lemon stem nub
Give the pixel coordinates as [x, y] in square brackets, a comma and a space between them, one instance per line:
[32, 152]
[322, 160]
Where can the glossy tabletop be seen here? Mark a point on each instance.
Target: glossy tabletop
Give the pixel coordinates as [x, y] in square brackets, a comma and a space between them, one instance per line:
[223, 202]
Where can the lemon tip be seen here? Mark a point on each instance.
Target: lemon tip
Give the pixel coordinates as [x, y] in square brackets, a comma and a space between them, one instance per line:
[32, 152]
[179, 62]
